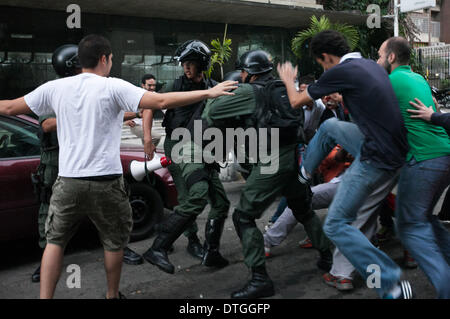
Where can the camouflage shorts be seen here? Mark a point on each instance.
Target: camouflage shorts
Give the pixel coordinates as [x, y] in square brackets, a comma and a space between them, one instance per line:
[104, 202]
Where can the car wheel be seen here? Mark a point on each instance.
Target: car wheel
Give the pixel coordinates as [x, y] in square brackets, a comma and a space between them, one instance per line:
[147, 208]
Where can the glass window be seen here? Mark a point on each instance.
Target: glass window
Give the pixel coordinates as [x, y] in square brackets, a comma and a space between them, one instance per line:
[18, 139]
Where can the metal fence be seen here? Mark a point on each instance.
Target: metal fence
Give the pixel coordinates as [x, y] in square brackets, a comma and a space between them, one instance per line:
[434, 64]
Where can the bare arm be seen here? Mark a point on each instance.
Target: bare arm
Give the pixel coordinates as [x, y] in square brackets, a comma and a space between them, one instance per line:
[428, 114]
[49, 125]
[422, 111]
[157, 101]
[14, 107]
[147, 124]
[288, 75]
[130, 115]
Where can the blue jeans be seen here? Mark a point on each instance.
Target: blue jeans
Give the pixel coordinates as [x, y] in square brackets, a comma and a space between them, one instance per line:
[420, 187]
[280, 209]
[358, 182]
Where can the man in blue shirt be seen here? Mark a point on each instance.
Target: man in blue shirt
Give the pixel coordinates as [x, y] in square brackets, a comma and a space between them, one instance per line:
[376, 139]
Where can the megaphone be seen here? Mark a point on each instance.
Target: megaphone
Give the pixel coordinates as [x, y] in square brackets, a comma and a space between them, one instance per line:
[138, 171]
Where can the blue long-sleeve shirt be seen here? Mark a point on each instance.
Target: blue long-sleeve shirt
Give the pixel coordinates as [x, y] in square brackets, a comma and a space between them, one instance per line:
[370, 98]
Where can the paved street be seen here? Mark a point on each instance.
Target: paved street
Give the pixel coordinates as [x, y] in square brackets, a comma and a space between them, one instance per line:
[292, 269]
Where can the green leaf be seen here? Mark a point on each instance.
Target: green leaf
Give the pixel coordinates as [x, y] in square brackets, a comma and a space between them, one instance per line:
[318, 25]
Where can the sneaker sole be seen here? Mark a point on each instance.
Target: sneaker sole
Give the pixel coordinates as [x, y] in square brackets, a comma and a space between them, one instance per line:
[330, 283]
[138, 262]
[269, 292]
[344, 287]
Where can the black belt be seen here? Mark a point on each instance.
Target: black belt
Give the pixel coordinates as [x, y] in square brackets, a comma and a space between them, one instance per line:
[102, 178]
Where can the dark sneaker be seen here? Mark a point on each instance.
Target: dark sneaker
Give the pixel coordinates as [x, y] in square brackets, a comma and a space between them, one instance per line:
[36, 276]
[131, 258]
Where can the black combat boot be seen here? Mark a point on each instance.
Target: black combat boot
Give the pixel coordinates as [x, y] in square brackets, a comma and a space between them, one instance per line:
[213, 232]
[170, 230]
[130, 257]
[194, 248]
[259, 286]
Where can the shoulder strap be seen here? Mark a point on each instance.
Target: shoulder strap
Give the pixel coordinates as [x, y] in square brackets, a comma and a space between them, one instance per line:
[259, 84]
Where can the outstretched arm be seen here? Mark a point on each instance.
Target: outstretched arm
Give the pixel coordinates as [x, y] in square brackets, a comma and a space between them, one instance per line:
[288, 75]
[152, 100]
[14, 107]
[422, 111]
[428, 114]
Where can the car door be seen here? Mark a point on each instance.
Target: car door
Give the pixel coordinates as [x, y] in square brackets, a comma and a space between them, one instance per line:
[19, 157]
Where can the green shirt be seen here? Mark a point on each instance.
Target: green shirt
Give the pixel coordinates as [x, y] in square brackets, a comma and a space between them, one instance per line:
[226, 110]
[426, 141]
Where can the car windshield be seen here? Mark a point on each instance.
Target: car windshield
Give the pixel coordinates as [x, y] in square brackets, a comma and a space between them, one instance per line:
[18, 138]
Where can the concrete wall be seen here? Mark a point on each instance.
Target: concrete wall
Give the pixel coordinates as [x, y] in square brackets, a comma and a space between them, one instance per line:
[297, 3]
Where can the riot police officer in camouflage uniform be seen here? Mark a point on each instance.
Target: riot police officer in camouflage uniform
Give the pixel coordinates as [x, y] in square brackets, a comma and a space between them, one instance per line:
[197, 184]
[65, 63]
[262, 188]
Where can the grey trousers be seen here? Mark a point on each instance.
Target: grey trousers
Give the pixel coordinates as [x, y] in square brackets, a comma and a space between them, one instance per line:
[323, 194]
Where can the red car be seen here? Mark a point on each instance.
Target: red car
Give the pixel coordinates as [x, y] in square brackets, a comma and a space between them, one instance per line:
[19, 157]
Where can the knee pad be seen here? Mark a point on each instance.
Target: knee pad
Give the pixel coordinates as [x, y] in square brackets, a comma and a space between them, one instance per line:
[242, 223]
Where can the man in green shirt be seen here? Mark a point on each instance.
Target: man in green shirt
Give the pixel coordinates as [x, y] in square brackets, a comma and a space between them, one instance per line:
[426, 174]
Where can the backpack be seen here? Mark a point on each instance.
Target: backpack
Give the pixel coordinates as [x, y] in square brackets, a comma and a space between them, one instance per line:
[274, 110]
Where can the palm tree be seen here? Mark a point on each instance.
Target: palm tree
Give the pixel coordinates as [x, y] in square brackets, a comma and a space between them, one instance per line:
[319, 25]
[221, 53]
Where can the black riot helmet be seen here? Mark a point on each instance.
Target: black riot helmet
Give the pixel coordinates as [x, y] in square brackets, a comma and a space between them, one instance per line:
[65, 60]
[255, 62]
[194, 50]
[233, 76]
